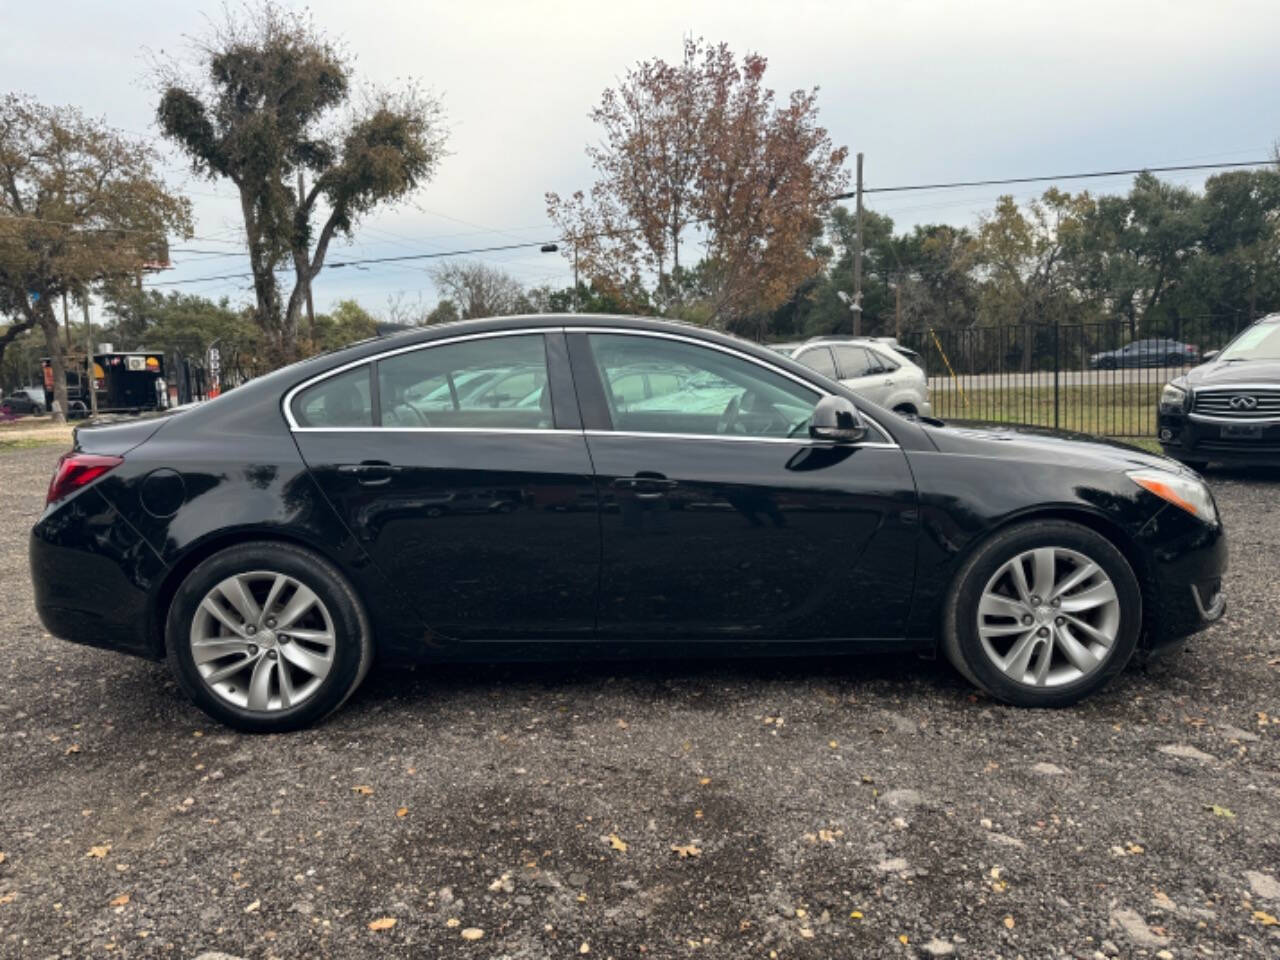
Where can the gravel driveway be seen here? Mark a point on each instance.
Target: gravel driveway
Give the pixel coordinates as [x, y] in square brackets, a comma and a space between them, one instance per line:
[868, 808]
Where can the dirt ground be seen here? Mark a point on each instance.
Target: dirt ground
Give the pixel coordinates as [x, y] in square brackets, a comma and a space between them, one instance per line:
[816, 808]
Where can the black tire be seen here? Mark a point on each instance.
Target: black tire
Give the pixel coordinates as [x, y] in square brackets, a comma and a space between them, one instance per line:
[960, 640]
[1106, 363]
[353, 650]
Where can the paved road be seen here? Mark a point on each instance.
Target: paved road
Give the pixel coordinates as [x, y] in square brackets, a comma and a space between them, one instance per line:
[876, 808]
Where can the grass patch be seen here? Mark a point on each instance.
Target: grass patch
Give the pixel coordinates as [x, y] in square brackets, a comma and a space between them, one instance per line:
[1126, 411]
[28, 432]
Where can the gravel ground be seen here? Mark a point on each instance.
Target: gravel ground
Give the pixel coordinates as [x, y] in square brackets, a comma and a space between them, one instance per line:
[868, 808]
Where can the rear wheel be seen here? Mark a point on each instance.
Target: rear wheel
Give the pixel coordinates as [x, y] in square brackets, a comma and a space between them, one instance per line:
[267, 637]
[1043, 614]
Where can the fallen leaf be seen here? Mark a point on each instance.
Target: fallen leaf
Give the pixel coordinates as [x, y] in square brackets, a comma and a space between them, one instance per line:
[855, 915]
[806, 933]
[687, 850]
[585, 948]
[402, 812]
[74, 748]
[453, 922]
[1136, 848]
[1008, 922]
[622, 724]
[97, 853]
[363, 789]
[903, 939]
[704, 781]
[697, 814]
[119, 901]
[252, 908]
[472, 933]
[833, 744]
[1264, 918]
[1220, 811]
[382, 923]
[617, 843]
[2, 857]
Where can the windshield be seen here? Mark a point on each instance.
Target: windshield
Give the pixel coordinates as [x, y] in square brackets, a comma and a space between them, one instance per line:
[1259, 342]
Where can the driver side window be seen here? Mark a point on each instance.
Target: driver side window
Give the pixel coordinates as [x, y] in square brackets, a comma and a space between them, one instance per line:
[690, 389]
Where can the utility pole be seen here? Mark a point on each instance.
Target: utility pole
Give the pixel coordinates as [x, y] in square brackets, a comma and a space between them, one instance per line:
[857, 259]
[897, 309]
[575, 276]
[311, 310]
[88, 355]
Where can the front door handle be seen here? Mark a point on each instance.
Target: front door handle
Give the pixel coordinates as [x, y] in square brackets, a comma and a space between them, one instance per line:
[370, 473]
[646, 487]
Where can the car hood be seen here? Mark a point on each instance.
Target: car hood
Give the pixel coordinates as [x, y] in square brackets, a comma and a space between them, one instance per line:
[1225, 374]
[1026, 443]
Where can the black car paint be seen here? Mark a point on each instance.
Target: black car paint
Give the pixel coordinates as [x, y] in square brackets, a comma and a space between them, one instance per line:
[864, 540]
[1200, 440]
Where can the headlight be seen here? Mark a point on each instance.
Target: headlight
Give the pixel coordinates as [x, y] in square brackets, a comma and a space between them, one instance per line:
[1173, 399]
[1182, 491]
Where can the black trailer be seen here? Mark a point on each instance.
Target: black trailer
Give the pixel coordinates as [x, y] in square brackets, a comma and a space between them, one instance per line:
[125, 382]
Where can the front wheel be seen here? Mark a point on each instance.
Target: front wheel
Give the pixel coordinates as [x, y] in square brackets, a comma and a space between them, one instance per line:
[267, 637]
[1043, 614]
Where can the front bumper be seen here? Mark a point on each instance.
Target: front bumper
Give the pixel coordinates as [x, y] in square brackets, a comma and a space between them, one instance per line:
[1200, 438]
[92, 574]
[1187, 566]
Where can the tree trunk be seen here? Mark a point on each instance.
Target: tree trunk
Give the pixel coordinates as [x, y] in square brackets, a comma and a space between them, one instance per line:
[15, 330]
[53, 343]
[266, 290]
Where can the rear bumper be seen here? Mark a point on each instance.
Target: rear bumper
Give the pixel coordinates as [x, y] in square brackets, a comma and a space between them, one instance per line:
[92, 575]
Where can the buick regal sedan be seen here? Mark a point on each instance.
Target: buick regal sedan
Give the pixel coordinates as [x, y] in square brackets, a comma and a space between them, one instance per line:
[644, 489]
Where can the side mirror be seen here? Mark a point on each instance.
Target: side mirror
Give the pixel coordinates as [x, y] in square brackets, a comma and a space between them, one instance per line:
[1209, 355]
[836, 419]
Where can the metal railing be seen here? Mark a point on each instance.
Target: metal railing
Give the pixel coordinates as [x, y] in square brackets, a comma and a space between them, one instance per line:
[1089, 377]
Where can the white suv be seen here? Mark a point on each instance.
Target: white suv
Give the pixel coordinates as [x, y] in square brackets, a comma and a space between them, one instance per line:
[871, 368]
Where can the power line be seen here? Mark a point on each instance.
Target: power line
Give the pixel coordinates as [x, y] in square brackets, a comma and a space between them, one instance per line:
[1062, 176]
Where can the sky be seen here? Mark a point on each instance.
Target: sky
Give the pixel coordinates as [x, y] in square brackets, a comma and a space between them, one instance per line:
[928, 91]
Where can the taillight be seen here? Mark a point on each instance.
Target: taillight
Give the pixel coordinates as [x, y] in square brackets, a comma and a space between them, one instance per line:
[76, 470]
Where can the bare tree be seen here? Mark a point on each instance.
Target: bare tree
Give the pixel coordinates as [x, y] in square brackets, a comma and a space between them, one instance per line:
[479, 290]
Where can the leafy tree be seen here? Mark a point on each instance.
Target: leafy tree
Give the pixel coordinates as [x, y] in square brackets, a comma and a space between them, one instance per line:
[80, 203]
[348, 323]
[704, 144]
[186, 324]
[267, 111]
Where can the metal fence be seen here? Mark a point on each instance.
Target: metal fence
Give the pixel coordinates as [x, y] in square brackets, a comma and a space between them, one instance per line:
[1090, 377]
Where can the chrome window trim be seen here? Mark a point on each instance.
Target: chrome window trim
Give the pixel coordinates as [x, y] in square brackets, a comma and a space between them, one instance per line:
[738, 438]
[501, 430]
[373, 358]
[287, 402]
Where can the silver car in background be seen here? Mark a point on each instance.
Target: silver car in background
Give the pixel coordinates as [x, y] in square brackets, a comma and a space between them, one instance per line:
[870, 367]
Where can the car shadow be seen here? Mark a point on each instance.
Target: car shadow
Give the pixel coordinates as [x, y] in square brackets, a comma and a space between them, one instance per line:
[675, 679]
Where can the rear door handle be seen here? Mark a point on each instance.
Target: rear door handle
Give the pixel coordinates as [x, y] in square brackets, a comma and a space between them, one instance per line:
[370, 473]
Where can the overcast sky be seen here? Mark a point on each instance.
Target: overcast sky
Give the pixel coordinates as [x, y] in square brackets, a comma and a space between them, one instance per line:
[928, 91]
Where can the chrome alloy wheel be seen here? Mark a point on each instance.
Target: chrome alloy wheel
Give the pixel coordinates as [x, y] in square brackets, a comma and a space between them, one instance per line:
[1048, 617]
[262, 641]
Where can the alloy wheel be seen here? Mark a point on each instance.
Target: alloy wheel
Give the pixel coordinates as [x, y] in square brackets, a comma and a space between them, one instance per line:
[1048, 617]
[263, 641]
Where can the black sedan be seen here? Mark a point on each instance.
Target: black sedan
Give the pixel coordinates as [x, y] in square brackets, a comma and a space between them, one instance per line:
[1227, 410]
[1154, 352]
[270, 543]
